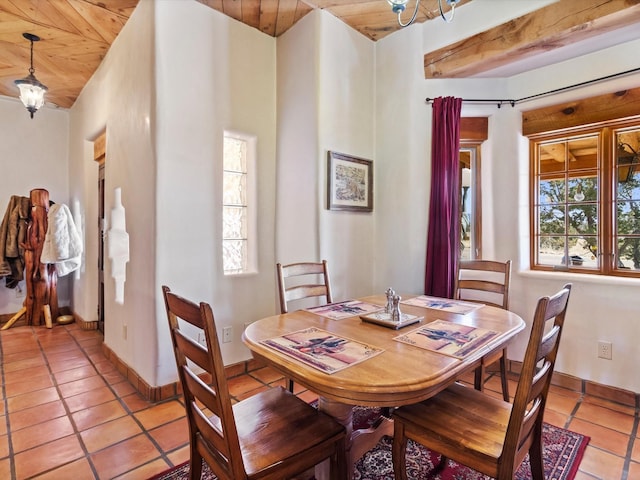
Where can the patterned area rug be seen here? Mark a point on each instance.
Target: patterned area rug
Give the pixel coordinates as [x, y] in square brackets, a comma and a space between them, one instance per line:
[563, 451]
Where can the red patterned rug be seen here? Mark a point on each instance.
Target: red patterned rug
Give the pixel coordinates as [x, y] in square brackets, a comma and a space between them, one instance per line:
[563, 451]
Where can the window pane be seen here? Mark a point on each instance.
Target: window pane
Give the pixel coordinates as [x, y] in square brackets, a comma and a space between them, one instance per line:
[552, 157]
[551, 190]
[628, 253]
[583, 251]
[628, 217]
[551, 250]
[234, 223]
[583, 218]
[583, 189]
[552, 220]
[235, 154]
[234, 255]
[583, 153]
[235, 189]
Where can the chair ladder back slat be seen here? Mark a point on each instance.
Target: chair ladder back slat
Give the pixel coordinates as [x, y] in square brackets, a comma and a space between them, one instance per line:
[535, 379]
[207, 399]
[304, 271]
[195, 390]
[193, 351]
[486, 276]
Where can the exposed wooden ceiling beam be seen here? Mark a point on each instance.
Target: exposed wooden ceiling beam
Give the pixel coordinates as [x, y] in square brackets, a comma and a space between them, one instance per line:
[551, 27]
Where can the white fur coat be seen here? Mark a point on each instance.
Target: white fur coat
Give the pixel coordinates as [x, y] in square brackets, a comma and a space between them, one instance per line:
[62, 243]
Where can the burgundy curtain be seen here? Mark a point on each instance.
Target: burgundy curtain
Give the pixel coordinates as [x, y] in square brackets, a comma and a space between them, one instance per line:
[443, 236]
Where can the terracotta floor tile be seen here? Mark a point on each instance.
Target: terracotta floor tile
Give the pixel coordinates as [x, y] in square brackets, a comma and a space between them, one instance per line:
[4, 446]
[136, 402]
[102, 413]
[81, 386]
[242, 384]
[266, 375]
[31, 416]
[123, 389]
[634, 470]
[179, 456]
[48, 456]
[89, 399]
[109, 433]
[601, 464]
[31, 399]
[64, 365]
[112, 416]
[172, 435]
[75, 374]
[113, 377]
[5, 468]
[19, 375]
[105, 366]
[564, 404]
[41, 433]
[555, 418]
[606, 417]
[251, 393]
[602, 437]
[24, 364]
[635, 453]
[160, 414]
[30, 385]
[124, 456]
[80, 470]
[146, 471]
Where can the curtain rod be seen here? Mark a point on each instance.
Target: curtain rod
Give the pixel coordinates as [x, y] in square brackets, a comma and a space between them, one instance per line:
[513, 102]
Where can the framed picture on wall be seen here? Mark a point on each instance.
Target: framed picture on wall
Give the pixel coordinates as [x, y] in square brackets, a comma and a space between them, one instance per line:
[349, 183]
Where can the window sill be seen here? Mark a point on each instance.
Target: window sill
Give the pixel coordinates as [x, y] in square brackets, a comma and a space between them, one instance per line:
[581, 277]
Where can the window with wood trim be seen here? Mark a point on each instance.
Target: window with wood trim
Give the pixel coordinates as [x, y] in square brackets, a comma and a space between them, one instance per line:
[585, 198]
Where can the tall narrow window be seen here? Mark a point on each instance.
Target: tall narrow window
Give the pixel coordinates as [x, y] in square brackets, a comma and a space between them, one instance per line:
[238, 219]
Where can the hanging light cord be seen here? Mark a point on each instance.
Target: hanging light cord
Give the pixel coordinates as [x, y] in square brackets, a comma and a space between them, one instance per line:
[31, 69]
[413, 17]
[453, 10]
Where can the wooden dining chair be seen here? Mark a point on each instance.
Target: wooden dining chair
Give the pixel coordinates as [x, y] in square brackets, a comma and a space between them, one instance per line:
[271, 435]
[297, 281]
[482, 432]
[487, 282]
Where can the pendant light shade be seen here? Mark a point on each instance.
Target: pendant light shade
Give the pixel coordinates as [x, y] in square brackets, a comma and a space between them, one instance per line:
[31, 90]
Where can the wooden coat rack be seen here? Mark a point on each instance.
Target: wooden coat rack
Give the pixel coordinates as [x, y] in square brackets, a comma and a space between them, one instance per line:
[41, 302]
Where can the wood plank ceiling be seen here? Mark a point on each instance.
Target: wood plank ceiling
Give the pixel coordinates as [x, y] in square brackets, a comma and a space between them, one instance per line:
[76, 34]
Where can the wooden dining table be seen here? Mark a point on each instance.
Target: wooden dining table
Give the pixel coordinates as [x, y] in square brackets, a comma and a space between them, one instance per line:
[399, 374]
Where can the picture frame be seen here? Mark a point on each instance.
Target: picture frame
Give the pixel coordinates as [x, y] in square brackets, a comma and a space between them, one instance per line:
[349, 183]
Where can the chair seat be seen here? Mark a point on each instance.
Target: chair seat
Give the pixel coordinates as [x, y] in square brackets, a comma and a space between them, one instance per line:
[268, 413]
[480, 421]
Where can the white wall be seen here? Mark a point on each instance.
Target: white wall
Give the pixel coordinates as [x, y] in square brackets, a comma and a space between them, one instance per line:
[346, 107]
[600, 308]
[120, 97]
[213, 74]
[33, 154]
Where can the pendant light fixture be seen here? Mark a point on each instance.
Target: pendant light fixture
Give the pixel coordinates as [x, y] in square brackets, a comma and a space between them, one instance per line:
[31, 90]
[399, 6]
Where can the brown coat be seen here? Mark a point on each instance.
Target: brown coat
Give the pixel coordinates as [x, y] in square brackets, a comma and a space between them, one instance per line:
[12, 234]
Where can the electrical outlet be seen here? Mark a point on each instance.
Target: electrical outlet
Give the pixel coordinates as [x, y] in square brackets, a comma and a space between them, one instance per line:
[604, 350]
[202, 340]
[124, 332]
[227, 334]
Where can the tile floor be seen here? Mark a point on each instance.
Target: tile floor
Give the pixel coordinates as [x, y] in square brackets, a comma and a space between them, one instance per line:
[66, 412]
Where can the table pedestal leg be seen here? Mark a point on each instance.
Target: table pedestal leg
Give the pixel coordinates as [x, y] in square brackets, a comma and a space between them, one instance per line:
[358, 442]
